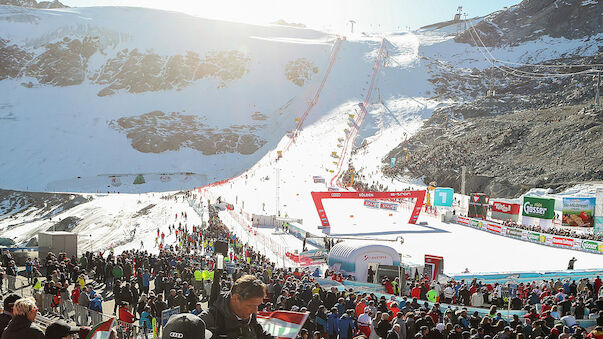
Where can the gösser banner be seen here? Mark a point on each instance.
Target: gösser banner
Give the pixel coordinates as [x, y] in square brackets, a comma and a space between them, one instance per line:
[317, 197]
[541, 208]
[531, 236]
[579, 212]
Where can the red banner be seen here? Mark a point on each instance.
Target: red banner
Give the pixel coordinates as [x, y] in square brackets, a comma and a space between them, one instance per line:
[493, 228]
[506, 208]
[561, 241]
[419, 197]
[462, 220]
[371, 203]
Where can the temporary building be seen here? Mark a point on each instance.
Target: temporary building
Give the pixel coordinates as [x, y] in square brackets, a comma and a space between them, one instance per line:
[352, 259]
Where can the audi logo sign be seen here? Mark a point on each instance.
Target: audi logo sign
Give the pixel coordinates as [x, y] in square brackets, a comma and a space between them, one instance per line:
[176, 335]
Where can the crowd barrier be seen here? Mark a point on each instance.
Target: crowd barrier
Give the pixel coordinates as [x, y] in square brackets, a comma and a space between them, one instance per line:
[529, 276]
[300, 234]
[378, 290]
[577, 244]
[242, 229]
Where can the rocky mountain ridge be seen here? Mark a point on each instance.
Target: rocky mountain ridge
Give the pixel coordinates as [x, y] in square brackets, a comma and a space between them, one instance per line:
[33, 4]
[531, 19]
[514, 126]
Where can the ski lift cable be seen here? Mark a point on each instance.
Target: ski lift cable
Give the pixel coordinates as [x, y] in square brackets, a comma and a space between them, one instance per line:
[525, 74]
[528, 64]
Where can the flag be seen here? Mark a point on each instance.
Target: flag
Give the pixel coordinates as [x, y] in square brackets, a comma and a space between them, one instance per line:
[102, 330]
[282, 324]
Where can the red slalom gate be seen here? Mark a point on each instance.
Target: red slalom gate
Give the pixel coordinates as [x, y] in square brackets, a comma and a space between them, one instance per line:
[419, 196]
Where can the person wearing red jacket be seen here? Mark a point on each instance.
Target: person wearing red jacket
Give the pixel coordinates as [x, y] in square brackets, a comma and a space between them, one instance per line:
[389, 288]
[415, 292]
[125, 314]
[75, 294]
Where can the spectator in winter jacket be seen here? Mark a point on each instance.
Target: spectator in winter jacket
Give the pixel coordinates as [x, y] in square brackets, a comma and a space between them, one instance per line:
[145, 320]
[333, 323]
[400, 321]
[394, 332]
[7, 313]
[383, 327]
[125, 314]
[96, 304]
[321, 320]
[346, 328]
[21, 325]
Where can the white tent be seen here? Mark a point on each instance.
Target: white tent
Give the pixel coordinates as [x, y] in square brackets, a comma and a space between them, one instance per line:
[355, 259]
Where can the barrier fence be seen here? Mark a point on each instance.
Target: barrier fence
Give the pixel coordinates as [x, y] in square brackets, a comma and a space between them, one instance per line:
[541, 238]
[245, 232]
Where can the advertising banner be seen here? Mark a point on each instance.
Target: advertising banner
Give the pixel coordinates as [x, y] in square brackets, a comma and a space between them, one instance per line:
[388, 206]
[371, 203]
[577, 244]
[541, 208]
[505, 211]
[317, 197]
[478, 205]
[578, 212]
[462, 220]
[318, 179]
[563, 241]
[514, 232]
[490, 227]
[166, 314]
[443, 196]
[599, 211]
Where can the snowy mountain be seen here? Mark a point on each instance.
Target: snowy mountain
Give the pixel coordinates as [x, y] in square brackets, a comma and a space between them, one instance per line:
[141, 91]
[136, 100]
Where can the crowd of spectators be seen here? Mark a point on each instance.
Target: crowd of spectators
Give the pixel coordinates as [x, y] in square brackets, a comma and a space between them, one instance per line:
[143, 284]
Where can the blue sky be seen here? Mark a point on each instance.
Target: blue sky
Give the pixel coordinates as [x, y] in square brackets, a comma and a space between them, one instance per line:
[332, 15]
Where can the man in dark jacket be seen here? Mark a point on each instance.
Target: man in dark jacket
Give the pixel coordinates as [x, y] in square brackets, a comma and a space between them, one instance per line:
[7, 314]
[233, 315]
[21, 325]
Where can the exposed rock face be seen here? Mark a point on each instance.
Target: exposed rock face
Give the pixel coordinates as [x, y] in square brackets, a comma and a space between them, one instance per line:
[138, 72]
[508, 154]
[469, 89]
[33, 3]
[63, 63]
[299, 71]
[12, 59]
[570, 19]
[156, 132]
[44, 204]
